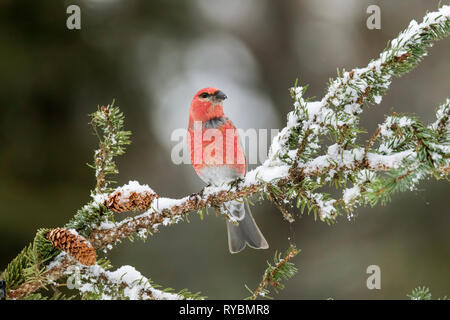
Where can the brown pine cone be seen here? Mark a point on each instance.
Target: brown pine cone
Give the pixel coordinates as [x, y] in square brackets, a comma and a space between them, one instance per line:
[123, 200]
[74, 244]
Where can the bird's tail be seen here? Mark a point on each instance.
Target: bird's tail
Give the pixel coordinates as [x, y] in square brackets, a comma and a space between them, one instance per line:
[247, 232]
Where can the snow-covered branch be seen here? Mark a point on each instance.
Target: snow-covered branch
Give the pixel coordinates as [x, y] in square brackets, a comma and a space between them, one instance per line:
[96, 282]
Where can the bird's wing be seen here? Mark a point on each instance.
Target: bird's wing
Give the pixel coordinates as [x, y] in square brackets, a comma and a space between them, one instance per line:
[241, 167]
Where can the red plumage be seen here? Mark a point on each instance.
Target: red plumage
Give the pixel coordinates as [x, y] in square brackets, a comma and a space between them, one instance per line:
[217, 157]
[213, 152]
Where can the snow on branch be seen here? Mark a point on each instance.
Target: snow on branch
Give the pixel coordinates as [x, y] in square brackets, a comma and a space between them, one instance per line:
[96, 282]
[317, 148]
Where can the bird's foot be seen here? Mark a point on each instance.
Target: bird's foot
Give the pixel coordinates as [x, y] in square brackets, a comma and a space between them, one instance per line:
[235, 183]
[202, 192]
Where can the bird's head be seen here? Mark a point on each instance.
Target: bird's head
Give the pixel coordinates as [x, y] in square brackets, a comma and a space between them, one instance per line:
[207, 104]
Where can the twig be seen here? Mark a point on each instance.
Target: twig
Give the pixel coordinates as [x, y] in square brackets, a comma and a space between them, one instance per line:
[53, 274]
[267, 280]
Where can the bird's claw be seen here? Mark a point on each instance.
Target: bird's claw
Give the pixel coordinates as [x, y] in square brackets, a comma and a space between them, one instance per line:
[235, 183]
[201, 193]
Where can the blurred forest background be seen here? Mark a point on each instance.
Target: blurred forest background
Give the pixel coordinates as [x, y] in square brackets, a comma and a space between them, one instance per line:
[151, 57]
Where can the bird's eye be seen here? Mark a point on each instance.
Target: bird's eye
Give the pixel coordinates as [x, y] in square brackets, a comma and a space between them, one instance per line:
[204, 95]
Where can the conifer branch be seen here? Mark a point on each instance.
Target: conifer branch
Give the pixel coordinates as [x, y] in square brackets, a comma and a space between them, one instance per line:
[126, 283]
[282, 269]
[52, 274]
[112, 143]
[422, 293]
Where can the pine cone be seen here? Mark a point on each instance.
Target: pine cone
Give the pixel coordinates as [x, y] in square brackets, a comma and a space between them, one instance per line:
[74, 244]
[123, 201]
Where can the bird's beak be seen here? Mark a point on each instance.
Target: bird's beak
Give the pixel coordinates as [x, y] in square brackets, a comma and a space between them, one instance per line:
[219, 95]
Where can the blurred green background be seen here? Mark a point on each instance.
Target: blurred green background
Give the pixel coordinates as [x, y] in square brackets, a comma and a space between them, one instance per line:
[152, 56]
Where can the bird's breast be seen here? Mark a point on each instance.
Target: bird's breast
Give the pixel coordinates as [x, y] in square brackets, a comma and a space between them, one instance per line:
[216, 175]
[216, 147]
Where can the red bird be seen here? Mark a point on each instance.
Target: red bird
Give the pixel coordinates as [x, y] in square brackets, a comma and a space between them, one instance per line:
[217, 157]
